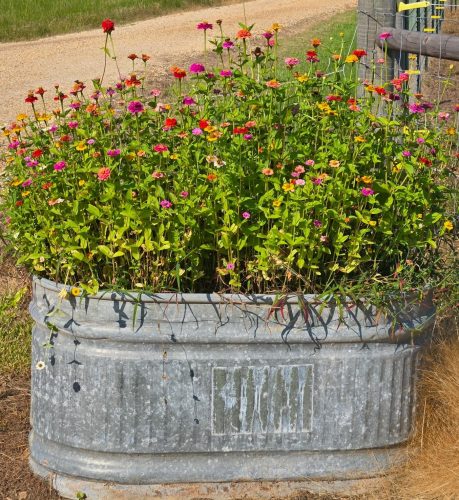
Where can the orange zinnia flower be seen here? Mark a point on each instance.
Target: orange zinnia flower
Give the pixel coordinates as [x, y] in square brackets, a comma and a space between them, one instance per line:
[243, 34]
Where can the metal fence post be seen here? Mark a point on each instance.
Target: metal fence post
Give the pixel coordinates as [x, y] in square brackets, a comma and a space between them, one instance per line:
[372, 15]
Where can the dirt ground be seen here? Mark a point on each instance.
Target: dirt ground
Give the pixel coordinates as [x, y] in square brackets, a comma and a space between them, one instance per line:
[16, 480]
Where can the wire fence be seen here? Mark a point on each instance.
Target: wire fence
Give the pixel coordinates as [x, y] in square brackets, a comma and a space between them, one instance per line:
[437, 78]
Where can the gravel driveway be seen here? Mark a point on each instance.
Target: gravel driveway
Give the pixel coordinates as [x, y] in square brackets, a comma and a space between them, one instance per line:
[168, 39]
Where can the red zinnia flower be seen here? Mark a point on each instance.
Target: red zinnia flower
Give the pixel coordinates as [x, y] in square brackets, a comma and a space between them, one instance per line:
[203, 124]
[359, 53]
[37, 153]
[108, 26]
[40, 91]
[178, 72]
[170, 122]
[132, 81]
[240, 130]
[30, 98]
[133, 57]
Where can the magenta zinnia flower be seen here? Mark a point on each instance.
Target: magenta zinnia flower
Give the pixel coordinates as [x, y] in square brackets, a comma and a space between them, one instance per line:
[228, 44]
[226, 73]
[246, 215]
[367, 191]
[166, 204]
[197, 68]
[60, 165]
[204, 25]
[113, 152]
[188, 101]
[135, 107]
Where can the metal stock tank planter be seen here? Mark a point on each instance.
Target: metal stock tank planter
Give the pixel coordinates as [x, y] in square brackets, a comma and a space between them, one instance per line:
[192, 388]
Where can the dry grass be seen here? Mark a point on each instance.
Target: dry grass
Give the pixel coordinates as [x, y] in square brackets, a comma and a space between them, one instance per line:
[432, 471]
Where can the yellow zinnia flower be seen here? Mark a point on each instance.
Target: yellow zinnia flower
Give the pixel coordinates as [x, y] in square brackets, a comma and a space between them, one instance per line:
[75, 291]
[277, 203]
[288, 186]
[448, 225]
[352, 59]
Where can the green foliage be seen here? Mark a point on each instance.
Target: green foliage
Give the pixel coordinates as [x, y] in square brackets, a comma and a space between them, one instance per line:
[29, 19]
[312, 183]
[15, 328]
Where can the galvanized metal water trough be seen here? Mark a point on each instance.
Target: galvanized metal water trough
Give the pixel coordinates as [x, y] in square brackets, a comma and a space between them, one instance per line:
[184, 388]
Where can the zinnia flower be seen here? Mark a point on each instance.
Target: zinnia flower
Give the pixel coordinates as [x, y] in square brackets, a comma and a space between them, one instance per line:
[165, 204]
[104, 173]
[135, 107]
[60, 165]
[385, 35]
[291, 61]
[197, 68]
[160, 148]
[226, 73]
[204, 25]
[273, 84]
[244, 33]
[108, 26]
[367, 191]
[246, 215]
[113, 152]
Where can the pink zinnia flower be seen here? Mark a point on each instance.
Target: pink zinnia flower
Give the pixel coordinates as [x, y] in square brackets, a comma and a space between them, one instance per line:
[443, 115]
[299, 169]
[157, 174]
[230, 266]
[73, 124]
[268, 35]
[420, 140]
[300, 182]
[228, 44]
[90, 142]
[27, 183]
[309, 163]
[197, 68]
[60, 165]
[246, 215]
[184, 194]
[113, 152]
[291, 61]
[104, 173]
[317, 223]
[166, 204]
[32, 163]
[367, 191]
[161, 148]
[155, 92]
[135, 107]
[226, 73]
[385, 35]
[197, 131]
[406, 153]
